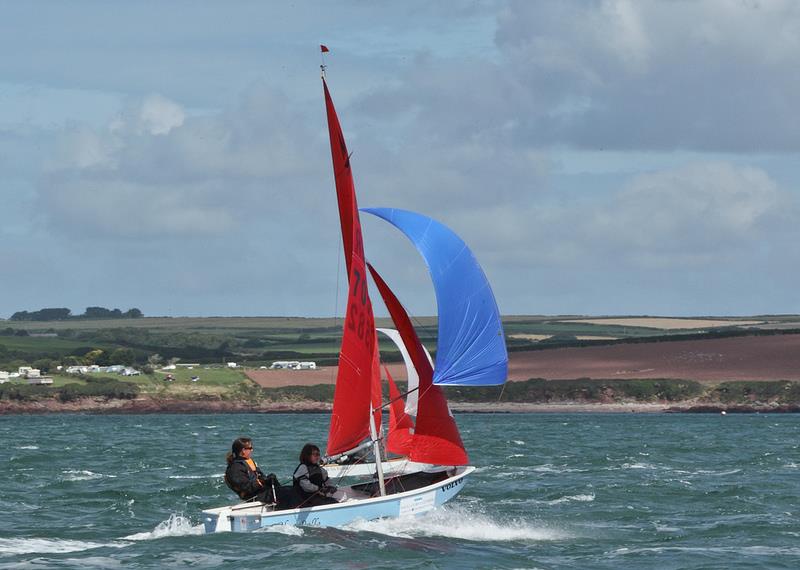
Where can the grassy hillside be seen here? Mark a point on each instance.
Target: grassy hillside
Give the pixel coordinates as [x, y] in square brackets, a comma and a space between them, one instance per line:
[256, 341]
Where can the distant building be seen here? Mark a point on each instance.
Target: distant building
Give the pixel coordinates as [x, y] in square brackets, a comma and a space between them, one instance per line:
[232, 365]
[3, 376]
[293, 365]
[40, 380]
[130, 372]
[85, 369]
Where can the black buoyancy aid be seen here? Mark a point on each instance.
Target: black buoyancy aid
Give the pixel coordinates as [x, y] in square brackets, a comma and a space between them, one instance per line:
[314, 476]
[251, 473]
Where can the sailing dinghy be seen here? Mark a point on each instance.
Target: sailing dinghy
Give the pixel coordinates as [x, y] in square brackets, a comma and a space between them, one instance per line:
[432, 463]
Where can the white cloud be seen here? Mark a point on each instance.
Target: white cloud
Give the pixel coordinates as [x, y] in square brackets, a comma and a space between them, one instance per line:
[156, 115]
[711, 75]
[164, 173]
[701, 213]
[693, 214]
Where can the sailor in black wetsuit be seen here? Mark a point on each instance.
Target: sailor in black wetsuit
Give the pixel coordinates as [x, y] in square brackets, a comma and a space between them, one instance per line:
[244, 476]
[311, 479]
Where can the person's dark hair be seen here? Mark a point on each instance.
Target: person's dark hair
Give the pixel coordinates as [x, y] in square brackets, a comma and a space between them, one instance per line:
[237, 446]
[305, 453]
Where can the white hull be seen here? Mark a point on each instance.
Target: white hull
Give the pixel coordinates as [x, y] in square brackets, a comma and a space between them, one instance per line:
[354, 506]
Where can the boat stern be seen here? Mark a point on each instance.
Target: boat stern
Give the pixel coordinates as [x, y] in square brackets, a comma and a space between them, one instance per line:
[217, 520]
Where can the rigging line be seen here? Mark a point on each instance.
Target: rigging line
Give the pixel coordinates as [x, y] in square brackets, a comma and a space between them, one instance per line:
[346, 468]
[421, 327]
[400, 397]
[358, 459]
[503, 389]
[335, 339]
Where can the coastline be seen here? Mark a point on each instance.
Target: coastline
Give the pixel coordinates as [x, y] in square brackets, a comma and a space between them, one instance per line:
[145, 405]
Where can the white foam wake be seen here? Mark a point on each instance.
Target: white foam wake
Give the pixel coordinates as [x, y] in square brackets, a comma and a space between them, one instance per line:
[287, 529]
[175, 525]
[460, 523]
[11, 546]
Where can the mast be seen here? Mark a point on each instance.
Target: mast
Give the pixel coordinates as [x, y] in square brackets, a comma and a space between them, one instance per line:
[376, 450]
[357, 397]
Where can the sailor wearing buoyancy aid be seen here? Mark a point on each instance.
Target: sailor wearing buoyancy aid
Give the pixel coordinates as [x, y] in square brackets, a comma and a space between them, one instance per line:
[311, 479]
[245, 478]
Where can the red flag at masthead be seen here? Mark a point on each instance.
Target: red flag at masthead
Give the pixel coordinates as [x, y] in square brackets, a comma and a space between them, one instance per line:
[323, 48]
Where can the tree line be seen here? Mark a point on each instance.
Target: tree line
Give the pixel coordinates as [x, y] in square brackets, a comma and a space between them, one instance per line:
[64, 314]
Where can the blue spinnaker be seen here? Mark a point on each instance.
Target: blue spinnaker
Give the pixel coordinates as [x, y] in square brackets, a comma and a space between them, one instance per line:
[471, 349]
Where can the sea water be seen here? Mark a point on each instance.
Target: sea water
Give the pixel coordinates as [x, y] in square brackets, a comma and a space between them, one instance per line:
[550, 491]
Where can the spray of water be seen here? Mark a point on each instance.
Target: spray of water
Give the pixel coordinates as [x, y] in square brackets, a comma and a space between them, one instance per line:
[175, 525]
[460, 523]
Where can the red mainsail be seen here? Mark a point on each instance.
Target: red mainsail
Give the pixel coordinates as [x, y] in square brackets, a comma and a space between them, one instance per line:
[345, 188]
[436, 438]
[359, 374]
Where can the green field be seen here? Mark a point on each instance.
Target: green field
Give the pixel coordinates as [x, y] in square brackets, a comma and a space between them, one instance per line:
[257, 341]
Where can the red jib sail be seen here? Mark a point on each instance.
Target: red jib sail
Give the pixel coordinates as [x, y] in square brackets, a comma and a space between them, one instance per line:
[401, 427]
[359, 374]
[436, 438]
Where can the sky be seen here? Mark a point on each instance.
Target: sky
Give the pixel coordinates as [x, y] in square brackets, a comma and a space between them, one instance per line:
[599, 157]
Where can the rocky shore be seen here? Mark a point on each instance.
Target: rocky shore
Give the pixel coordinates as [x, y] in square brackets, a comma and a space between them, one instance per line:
[149, 405]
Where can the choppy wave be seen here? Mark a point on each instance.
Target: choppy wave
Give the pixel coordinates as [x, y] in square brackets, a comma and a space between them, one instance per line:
[550, 468]
[583, 498]
[711, 472]
[752, 550]
[287, 529]
[638, 465]
[212, 476]
[83, 475]
[175, 525]
[460, 523]
[13, 546]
